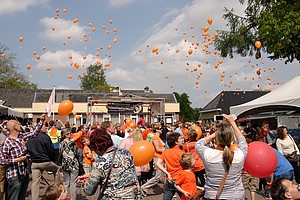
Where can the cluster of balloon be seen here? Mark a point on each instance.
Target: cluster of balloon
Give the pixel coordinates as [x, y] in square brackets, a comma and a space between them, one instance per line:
[142, 152]
[130, 123]
[65, 108]
[261, 160]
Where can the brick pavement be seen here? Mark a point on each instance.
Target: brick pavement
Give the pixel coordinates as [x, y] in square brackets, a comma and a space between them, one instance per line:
[155, 194]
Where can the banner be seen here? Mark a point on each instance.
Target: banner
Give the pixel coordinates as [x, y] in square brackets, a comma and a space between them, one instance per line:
[51, 102]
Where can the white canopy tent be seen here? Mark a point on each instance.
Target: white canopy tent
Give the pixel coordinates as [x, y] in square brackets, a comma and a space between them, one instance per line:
[285, 97]
[10, 111]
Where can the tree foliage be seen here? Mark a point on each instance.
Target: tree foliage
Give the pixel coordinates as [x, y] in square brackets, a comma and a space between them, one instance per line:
[187, 113]
[94, 79]
[276, 23]
[10, 77]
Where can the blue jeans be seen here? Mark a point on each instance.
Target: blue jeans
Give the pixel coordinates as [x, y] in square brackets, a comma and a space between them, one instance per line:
[16, 188]
[170, 190]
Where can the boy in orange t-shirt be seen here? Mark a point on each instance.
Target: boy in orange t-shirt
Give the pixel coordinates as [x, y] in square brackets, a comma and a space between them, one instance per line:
[198, 169]
[186, 183]
[88, 156]
[171, 158]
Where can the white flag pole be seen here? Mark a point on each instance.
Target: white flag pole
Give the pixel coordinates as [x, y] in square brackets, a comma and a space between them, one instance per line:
[53, 103]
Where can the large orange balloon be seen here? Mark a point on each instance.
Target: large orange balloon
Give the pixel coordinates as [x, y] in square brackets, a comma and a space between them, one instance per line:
[65, 108]
[128, 121]
[142, 152]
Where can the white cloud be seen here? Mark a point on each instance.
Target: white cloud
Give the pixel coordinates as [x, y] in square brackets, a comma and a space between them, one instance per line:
[60, 59]
[119, 3]
[62, 29]
[11, 6]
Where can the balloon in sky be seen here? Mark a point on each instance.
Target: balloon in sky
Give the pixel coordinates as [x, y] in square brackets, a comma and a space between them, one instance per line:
[65, 108]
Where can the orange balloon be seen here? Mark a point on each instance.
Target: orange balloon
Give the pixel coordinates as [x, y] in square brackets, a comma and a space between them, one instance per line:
[65, 108]
[75, 20]
[142, 152]
[154, 50]
[205, 28]
[128, 121]
[74, 113]
[38, 57]
[233, 147]
[132, 125]
[209, 21]
[199, 131]
[78, 117]
[107, 64]
[190, 51]
[21, 39]
[3, 55]
[258, 44]
[70, 76]
[28, 67]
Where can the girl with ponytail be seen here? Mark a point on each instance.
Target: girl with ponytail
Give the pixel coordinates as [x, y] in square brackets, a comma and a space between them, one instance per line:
[224, 164]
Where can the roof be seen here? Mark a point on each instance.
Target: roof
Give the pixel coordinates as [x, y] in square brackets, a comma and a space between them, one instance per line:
[25, 98]
[285, 97]
[225, 99]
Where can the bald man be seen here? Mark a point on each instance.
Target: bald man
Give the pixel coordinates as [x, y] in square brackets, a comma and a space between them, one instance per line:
[14, 157]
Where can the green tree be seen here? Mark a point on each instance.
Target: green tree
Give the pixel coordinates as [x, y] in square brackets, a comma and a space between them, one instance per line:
[94, 79]
[187, 113]
[9, 75]
[275, 23]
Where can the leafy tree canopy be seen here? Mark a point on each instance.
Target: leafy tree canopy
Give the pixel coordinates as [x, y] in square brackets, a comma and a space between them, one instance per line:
[275, 23]
[9, 75]
[187, 113]
[94, 79]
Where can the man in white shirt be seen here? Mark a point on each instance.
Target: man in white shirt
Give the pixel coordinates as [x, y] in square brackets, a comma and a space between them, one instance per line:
[110, 128]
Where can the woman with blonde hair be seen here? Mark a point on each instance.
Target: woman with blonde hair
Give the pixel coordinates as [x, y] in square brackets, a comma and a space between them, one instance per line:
[135, 135]
[224, 163]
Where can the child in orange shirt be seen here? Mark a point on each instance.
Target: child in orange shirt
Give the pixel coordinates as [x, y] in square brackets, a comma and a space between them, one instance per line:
[186, 182]
[88, 156]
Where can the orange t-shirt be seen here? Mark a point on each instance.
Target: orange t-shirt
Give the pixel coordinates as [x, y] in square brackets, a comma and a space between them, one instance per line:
[160, 144]
[78, 137]
[145, 133]
[86, 152]
[190, 147]
[187, 182]
[185, 133]
[171, 158]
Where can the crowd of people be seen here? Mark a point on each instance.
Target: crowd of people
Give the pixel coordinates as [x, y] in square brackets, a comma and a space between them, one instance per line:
[192, 160]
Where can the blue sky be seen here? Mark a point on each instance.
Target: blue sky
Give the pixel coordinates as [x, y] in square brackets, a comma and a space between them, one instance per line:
[138, 26]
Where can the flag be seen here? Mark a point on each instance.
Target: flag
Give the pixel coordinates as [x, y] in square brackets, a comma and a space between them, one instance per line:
[51, 102]
[120, 91]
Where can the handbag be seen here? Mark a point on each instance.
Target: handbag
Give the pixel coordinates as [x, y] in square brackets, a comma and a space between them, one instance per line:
[109, 172]
[292, 157]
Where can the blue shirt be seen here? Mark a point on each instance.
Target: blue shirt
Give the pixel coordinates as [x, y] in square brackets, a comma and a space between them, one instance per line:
[283, 165]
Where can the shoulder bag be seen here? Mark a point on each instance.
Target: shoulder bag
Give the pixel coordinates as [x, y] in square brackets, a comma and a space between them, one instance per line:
[109, 172]
[293, 157]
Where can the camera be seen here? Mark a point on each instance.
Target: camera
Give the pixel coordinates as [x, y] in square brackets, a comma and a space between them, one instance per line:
[218, 118]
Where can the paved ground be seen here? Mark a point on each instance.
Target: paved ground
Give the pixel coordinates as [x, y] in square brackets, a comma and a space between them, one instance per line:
[155, 194]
